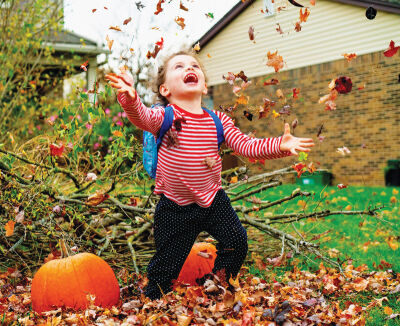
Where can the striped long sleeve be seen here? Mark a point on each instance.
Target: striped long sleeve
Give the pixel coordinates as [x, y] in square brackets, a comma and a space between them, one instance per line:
[149, 119]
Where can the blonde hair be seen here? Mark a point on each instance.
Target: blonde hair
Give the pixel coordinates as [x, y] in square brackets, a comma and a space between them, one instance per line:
[162, 71]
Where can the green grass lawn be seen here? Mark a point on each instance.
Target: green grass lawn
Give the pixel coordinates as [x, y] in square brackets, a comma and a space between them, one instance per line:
[364, 239]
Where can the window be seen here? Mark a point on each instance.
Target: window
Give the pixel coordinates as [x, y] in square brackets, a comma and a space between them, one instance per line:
[208, 100]
[269, 8]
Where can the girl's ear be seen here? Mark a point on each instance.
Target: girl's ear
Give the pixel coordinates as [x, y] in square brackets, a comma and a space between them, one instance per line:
[205, 90]
[164, 90]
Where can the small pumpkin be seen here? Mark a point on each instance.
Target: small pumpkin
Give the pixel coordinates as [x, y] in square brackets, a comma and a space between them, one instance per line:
[66, 282]
[199, 262]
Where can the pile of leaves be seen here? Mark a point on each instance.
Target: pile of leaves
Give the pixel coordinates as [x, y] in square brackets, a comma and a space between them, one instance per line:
[297, 297]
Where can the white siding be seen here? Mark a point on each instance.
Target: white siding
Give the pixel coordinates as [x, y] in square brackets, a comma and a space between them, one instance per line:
[331, 30]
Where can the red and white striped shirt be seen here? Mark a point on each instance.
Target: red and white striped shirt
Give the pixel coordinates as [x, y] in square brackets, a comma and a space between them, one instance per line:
[182, 176]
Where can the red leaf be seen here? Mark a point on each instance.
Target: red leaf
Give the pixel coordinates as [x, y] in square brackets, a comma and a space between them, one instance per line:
[343, 85]
[304, 16]
[300, 168]
[56, 150]
[159, 9]
[392, 50]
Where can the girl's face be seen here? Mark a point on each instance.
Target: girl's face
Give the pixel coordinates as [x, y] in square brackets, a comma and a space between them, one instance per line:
[184, 79]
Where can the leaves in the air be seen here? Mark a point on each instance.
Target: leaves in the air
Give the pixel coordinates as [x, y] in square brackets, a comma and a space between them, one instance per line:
[275, 60]
[109, 42]
[392, 50]
[84, 65]
[180, 21]
[182, 7]
[159, 8]
[251, 33]
[304, 15]
[343, 85]
[279, 28]
[115, 28]
[343, 150]
[127, 21]
[349, 56]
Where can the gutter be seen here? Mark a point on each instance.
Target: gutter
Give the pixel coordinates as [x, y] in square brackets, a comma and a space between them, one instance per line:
[68, 47]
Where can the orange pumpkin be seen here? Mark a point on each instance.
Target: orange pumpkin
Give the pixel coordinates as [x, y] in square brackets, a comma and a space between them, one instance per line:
[66, 282]
[199, 262]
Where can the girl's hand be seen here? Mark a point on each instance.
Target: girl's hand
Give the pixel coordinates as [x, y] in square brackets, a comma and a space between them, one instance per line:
[123, 83]
[291, 143]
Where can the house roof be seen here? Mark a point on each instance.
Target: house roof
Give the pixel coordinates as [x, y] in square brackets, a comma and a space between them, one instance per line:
[392, 6]
[67, 41]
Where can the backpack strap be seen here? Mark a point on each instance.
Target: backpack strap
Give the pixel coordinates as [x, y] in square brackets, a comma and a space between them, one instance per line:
[166, 125]
[218, 125]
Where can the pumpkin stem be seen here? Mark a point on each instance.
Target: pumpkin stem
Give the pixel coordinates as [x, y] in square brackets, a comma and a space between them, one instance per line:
[65, 250]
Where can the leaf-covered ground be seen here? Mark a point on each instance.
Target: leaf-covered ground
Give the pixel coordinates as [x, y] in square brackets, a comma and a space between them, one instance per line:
[297, 297]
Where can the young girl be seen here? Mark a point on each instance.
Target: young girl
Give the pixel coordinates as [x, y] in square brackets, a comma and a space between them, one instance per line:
[188, 176]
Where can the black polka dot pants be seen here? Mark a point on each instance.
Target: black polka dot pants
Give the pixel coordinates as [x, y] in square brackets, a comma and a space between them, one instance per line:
[175, 231]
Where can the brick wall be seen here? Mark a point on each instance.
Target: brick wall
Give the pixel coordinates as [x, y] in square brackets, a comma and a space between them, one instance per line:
[366, 121]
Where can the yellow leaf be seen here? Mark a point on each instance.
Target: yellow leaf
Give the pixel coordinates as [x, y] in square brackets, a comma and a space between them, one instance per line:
[387, 310]
[234, 282]
[395, 191]
[276, 114]
[234, 179]
[9, 228]
[242, 100]
[117, 133]
[393, 200]
[302, 204]
[348, 207]
[391, 241]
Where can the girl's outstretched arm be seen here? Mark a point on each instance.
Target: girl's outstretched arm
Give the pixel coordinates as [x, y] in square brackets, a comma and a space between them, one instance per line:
[145, 118]
[261, 148]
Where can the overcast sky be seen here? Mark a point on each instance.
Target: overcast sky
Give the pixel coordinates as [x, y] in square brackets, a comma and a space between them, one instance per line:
[80, 19]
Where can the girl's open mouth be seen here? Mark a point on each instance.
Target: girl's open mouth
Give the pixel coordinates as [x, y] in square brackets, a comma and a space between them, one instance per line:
[190, 78]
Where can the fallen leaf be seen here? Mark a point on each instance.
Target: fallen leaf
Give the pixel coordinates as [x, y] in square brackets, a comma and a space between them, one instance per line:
[96, 199]
[57, 150]
[9, 226]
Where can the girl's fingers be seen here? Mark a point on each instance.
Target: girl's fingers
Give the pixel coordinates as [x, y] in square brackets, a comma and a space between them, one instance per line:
[112, 77]
[126, 79]
[115, 85]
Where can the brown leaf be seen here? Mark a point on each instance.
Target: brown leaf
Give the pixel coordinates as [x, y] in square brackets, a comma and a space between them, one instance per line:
[9, 226]
[182, 7]
[127, 21]
[251, 33]
[96, 199]
[115, 28]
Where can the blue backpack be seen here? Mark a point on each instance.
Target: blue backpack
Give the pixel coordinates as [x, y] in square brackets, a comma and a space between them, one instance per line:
[152, 145]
